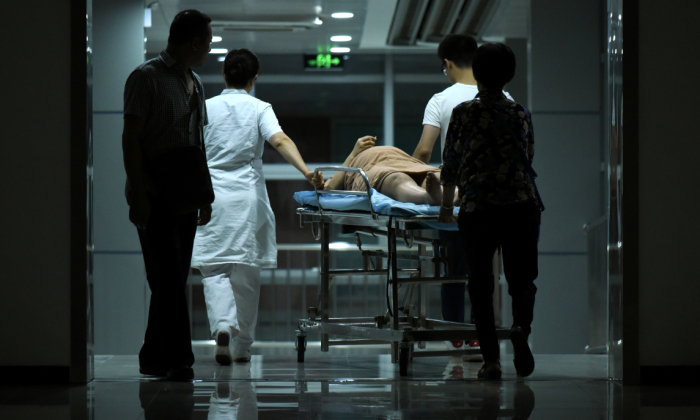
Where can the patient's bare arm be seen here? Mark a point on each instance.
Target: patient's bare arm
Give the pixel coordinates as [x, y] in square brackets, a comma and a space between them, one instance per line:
[362, 144]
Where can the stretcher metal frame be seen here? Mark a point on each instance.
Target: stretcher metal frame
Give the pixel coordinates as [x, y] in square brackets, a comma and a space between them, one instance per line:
[404, 327]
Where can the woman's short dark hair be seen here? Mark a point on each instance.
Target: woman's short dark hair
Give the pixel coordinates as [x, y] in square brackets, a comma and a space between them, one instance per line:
[239, 67]
[457, 48]
[187, 25]
[494, 65]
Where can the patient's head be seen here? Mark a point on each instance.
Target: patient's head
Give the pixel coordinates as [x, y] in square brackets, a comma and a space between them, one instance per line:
[240, 68]
[494, 66]
[457, 48]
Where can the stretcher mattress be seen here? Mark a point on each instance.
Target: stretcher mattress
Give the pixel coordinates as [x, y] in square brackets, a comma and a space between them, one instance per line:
[380, 203]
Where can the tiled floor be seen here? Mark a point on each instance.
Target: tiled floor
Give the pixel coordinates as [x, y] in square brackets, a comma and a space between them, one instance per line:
[358, 386]
[333, 367]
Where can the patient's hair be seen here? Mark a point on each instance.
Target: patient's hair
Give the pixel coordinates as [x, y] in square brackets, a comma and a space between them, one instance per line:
[494, 65]
[457, 48]
[239, 67]
[187, 25]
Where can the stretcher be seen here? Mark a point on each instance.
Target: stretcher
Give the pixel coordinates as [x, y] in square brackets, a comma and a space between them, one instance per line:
[404, 326]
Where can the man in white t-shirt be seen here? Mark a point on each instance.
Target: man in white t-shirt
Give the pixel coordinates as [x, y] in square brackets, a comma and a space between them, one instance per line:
[456, 53]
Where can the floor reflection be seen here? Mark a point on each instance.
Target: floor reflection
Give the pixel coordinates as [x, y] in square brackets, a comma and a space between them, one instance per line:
[249, 400]
[349, 388]
[233, 401]
[409, 400]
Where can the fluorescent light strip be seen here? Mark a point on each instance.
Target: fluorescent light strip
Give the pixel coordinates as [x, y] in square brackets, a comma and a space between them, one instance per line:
[341, 38]
[340, 50]
[342, 15]
[216, 39]
[218, 51]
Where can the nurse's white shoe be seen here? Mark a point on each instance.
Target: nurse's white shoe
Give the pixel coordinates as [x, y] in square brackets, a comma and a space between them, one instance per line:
[241, 355]
[223, 348]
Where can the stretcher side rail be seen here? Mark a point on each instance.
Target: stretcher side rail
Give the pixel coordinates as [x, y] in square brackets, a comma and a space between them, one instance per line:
[359, 171]
[364, 219]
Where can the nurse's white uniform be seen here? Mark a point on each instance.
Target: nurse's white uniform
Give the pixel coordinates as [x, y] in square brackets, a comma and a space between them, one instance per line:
[240, 238]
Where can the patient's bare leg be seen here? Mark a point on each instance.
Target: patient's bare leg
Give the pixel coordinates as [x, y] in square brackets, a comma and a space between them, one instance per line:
[436, 177]
[433, 188]
[402, 187]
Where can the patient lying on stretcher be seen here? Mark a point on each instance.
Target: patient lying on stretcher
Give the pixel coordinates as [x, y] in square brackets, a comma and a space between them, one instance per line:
[391, 171]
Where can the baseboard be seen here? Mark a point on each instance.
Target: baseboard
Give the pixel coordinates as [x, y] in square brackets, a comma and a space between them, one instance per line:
[669, 375]
[34, 375]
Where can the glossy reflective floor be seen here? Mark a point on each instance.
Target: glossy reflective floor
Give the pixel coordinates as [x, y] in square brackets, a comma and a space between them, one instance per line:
[333, 386]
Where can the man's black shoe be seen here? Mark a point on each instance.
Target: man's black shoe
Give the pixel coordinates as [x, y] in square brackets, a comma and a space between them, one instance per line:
[183, 373]
[153, 371]
[523, 360]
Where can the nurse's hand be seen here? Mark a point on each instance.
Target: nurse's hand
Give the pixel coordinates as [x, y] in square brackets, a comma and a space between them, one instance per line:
[139, 210]
[204, 215]
[362, 144]
[316, 181]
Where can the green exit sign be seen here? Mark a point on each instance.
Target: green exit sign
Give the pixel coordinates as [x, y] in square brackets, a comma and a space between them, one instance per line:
[323, 62]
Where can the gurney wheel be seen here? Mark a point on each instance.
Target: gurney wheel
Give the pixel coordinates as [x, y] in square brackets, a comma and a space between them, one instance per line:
[404, 358]
[301, 348]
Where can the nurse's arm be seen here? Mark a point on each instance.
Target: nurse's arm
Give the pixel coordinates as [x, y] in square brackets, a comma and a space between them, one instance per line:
[290, 153]
[427, 141]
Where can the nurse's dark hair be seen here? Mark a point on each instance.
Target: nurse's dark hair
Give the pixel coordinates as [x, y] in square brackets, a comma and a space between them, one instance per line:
[494, 65]
[457, 48]
[239, 67]
[187, 25]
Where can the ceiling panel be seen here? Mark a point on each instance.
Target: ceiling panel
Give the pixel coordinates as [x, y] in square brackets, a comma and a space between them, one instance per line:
[316, 39]
[369, 27]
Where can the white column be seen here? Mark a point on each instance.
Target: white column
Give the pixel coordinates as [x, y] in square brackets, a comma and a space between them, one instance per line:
[388, 100]
[119, 275]
[565, 97]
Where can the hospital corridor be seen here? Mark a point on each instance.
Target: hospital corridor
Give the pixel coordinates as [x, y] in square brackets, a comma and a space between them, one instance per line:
[335, 209]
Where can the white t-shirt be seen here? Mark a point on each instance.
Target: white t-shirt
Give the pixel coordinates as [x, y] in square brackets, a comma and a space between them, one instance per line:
[439, 108]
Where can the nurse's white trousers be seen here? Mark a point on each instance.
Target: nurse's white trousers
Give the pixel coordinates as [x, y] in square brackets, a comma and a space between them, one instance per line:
[232, 292]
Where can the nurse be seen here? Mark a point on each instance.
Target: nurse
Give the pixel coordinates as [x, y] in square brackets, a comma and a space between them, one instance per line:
[240, 238]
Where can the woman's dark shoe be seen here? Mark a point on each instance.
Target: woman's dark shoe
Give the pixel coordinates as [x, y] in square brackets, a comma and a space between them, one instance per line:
[523, 360]
[490, 370]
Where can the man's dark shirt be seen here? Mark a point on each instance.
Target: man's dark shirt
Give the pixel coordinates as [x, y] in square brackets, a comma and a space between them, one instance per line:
[156, 91]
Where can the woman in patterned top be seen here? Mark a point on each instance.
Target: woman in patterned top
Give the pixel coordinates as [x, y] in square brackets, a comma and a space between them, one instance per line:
[488, 149]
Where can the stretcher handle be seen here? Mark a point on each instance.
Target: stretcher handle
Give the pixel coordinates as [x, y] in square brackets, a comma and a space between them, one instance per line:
[345, 169]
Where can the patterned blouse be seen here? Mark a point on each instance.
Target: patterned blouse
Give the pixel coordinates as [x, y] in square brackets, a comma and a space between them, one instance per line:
[481, 158]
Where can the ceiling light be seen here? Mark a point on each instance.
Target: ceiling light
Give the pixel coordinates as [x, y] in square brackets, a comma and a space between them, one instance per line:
[342, 15]
[341, 38]
[216, 38]
[318, 21]
[220, 59]
[147, 18]
[340, 50]
[218, 51]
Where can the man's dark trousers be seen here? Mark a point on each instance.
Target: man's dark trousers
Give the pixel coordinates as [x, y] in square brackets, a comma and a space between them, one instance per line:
[515, 228]
[167, 245]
